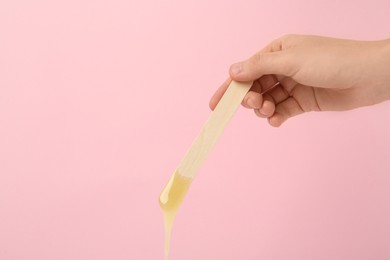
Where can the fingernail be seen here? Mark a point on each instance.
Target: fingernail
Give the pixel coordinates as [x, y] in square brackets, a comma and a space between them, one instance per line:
[263, 111]
[236, 68]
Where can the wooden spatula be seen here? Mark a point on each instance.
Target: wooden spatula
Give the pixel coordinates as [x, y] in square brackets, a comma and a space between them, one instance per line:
[213, 128]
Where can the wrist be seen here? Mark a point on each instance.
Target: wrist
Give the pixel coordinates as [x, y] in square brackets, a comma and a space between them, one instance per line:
[376, 71]
[386, 48]
[386, 53]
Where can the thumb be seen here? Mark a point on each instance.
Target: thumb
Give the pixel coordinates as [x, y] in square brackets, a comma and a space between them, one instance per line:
[263, 63]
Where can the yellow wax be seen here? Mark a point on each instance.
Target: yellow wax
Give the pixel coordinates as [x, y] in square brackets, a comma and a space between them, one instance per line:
[170, 200]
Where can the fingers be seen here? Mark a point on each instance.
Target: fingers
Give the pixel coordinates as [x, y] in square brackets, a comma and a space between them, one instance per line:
[263, 105]
[268, 98]
[278, 113]
[267, 109]
[259, 68]
[219, 93]
[275, 104]
[265, 96]
[253, 97]
[283, 111]
[277, 94]
[278, 106]
[253, 100]
[275, 58]
[267, 82]
[263, 63]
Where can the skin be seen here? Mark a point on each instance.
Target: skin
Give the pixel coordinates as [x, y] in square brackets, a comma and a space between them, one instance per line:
[296, 74]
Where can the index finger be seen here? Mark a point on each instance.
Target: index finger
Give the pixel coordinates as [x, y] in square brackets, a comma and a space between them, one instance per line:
[219, 93]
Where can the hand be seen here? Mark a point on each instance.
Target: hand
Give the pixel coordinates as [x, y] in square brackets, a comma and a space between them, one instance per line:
[296, 74]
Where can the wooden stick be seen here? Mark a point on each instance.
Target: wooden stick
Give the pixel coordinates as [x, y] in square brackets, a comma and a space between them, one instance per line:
[213, 128]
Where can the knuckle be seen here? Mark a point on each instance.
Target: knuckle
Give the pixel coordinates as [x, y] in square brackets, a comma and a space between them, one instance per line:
[258, 58]
[288, 40]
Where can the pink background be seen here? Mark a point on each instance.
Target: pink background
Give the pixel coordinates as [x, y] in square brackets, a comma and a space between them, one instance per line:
[99, 101]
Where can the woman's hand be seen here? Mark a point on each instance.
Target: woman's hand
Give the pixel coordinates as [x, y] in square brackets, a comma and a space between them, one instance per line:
[296, 74]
